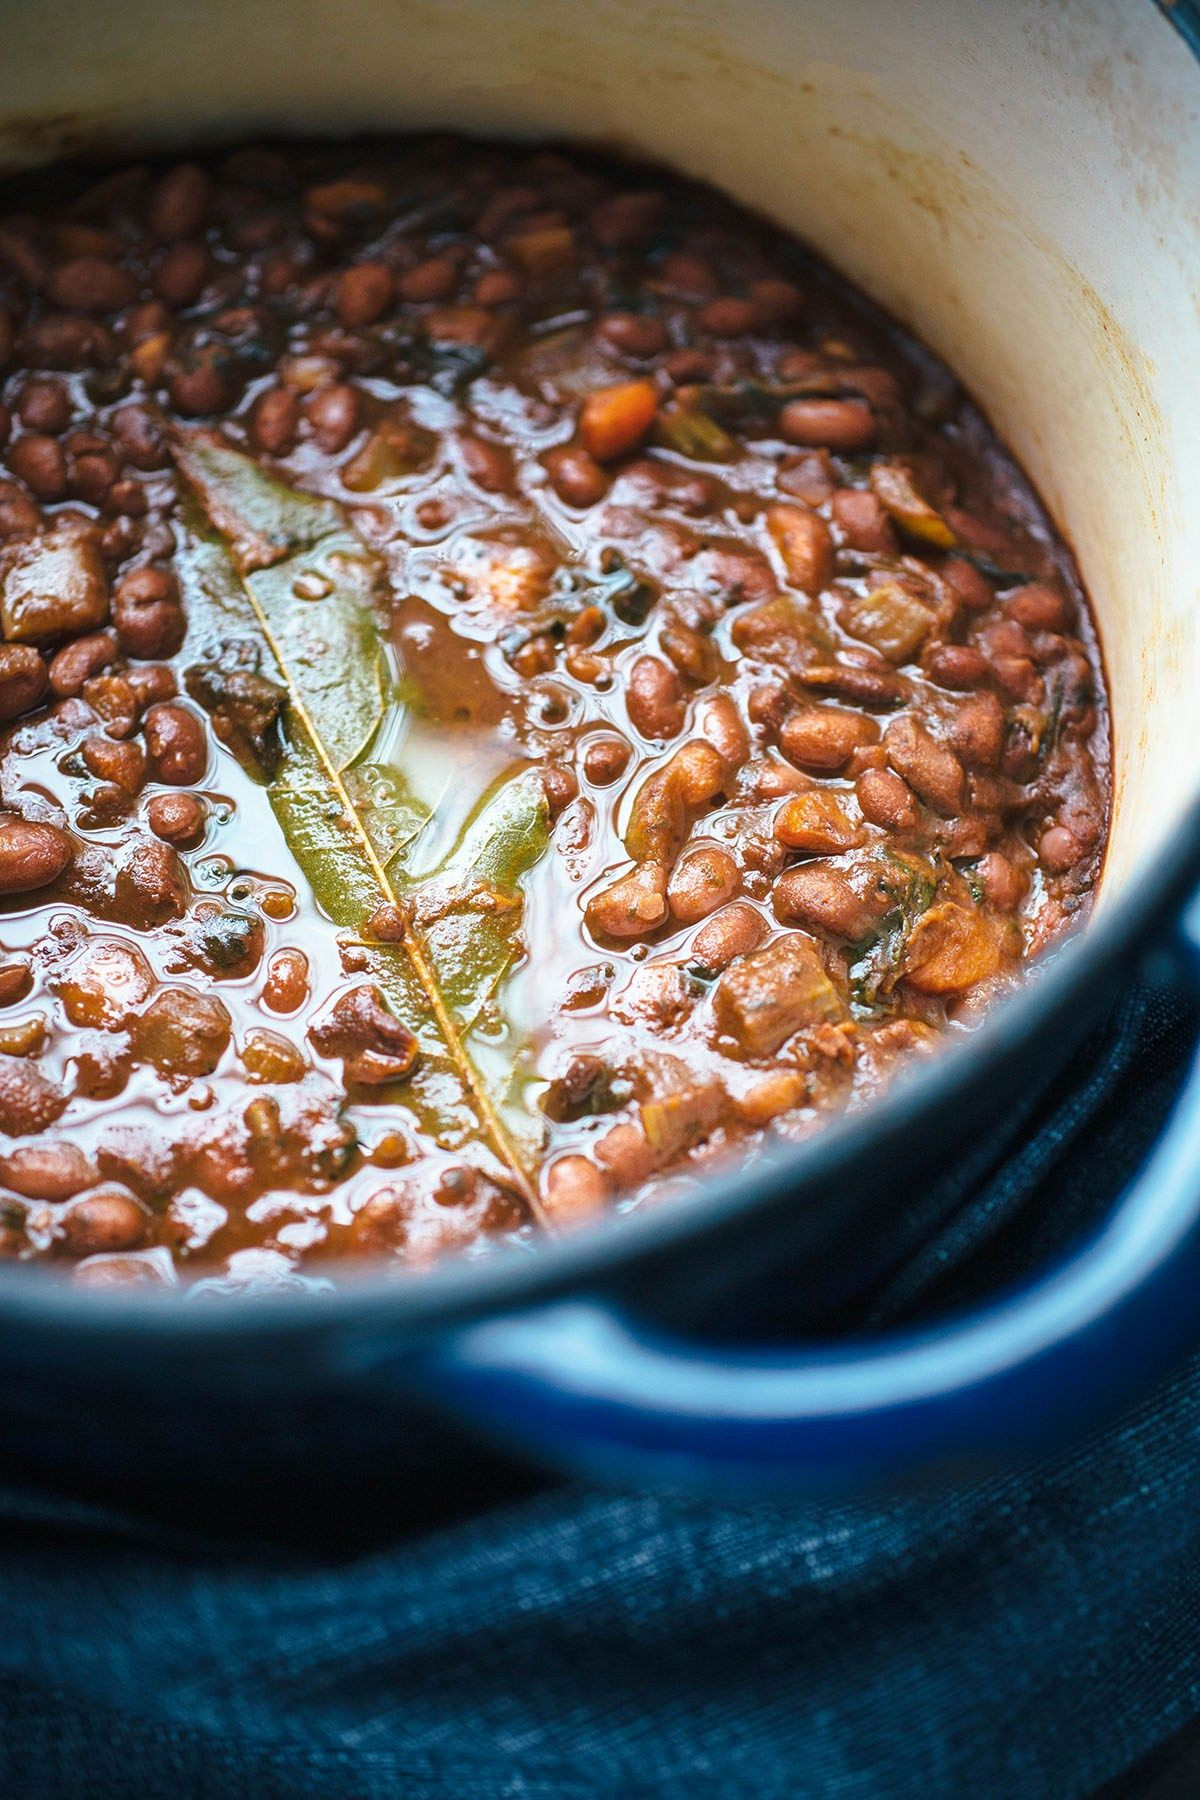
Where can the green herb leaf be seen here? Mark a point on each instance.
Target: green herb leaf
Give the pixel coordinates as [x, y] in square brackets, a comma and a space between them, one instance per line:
[306, 621]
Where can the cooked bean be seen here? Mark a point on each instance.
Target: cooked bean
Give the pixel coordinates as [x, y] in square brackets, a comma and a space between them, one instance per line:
[364, 293]
[275, 421]
[605, 760]
[634, 905]
[498, 287]
[654, 698]
[733, 932]
[177, 744]
[823, 897]
[886, 800]
[139, 437]
[183, 274]
[107, 1219]
[148, 614]
[576, 477]
[824, 738]
[32, 855]
[335, 415]
[205, 386]
[928, 766]
[804, 545]
[702, 880]
[19, 515]
[80, 661]
[638, 335]
[488, 464]
[44, 405]
[1039, 607]
[977, 731]
[561, 787]
[1002, 882]
[969, 587]
[572, 1190]
[729, 315]
[23, 679]
[955, 665]
[179, 202]
[41, 463]
[627, 220]
[286, 987]
[840, 425]
[719, 721]
[53, 1172]
[861, 521]
[176, 818]
[90, 284]
[1058, 850]
[434, 279]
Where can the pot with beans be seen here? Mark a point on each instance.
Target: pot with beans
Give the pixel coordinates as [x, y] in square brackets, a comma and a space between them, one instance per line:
[545, 746]
[519, 688]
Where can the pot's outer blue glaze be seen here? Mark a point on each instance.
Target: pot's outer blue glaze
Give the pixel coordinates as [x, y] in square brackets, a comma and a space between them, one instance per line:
[330, 1383]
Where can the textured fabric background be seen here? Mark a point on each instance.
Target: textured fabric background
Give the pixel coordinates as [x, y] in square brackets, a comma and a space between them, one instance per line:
[1031, 1636]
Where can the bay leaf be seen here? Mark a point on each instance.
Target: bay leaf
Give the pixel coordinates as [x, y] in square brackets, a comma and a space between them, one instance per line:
[279, 598]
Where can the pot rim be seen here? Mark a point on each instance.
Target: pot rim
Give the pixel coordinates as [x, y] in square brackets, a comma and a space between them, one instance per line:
[510, 1278]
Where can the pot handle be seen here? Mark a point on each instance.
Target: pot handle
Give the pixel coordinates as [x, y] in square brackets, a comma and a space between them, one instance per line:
[580, 1386]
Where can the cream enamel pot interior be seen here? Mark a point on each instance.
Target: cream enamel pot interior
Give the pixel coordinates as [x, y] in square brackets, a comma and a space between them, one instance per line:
[1019, 184]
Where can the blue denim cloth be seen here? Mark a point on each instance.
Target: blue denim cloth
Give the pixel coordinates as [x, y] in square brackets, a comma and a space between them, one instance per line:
[1030, 1636]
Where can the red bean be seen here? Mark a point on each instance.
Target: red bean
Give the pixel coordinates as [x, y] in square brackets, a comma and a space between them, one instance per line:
[41, 463]
[183, 274]
[627, 220]
[206, 386]
[1003, 885]
[286, 987]
[179, 202]
[176, 741]
[176, 818]
[119, 761]
[654, 698]
[1040, 607]
[637, 335]
[886, 800]
[490, 465]
[977, 731]
[148, 614]
[19, 516]
[32, 855]
[52, 1172]
[107, 1219]
[572, 1190]
[498, 287]
[434, 279]
[1058, 850]
[364, 293]
[955, 665]
[970, 588]
[89, 284]
[44, 405]
[840, 425]
[824, 738]
[702, 880]
[927, 765]
[275, 421]
[728, 934]
[23, 679]
[335, 414]
[605, 760]
[631, 907]
[576, 477]
[139, 437]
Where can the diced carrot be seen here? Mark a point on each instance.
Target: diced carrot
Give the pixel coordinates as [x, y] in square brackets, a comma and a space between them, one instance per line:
[616, 419]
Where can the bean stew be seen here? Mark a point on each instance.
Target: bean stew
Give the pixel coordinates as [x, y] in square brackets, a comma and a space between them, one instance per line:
[515, 682]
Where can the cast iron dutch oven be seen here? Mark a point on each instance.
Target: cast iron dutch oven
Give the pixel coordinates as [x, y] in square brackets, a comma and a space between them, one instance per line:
[611, 1350]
